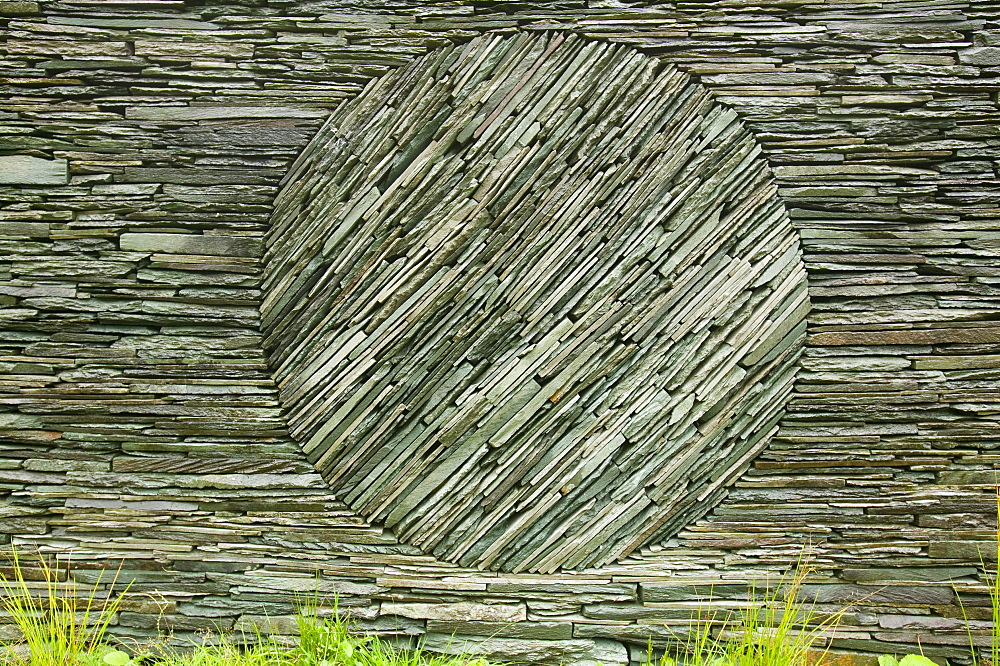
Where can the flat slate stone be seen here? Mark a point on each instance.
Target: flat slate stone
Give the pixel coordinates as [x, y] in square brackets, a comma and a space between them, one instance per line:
[577, 651]
[215, 112]
[198, 244]
[28, 170]
[25, 229]
[17, 8]
[980, 55]
[459, 611]
[130, 23]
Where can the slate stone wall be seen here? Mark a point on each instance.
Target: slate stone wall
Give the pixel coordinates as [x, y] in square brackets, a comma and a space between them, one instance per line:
[139, 421]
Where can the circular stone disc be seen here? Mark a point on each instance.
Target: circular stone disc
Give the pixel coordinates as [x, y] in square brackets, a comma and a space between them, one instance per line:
[532, 301]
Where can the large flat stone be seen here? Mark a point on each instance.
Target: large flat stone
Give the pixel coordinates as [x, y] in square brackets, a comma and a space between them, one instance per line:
[28, 170]
[981, 334]
[888, 594]
[527, 630]
[911, 574]
[980, 55]
[577, 651]
[192, 50]
[17, 8]
[956, 362]
[223, 246]
[466, 611]
[217, 112]
[133, 23]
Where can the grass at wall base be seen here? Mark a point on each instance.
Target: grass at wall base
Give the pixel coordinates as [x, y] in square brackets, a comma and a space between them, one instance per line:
[63, 625]
[776, 629]
[59, 623]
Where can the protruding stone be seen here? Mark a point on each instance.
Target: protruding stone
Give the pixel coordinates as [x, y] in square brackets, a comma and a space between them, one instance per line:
[28, 170]
[197, 244]
[18, 8]
[218, 112]
[980, 55]
[458, 611]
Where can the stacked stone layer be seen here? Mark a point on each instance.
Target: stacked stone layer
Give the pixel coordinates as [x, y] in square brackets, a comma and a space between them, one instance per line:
[139, 421]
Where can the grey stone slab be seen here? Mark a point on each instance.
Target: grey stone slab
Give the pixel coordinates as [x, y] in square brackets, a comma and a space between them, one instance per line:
[28, 170]
[220, 112]
[193, 244]
[462, 611]
[569, 652]
[529, 630]
[135, 23]
[24, 229]
[981, 55]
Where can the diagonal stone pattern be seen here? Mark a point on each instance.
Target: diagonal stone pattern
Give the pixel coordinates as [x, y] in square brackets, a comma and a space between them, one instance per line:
[532, 301]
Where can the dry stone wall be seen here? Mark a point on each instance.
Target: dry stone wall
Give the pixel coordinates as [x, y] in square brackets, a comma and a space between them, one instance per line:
[143, 146]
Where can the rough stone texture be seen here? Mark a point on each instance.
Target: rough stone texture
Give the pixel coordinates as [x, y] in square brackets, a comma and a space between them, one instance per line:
[197, 244]
[114, 359]
[524, 317]
[27, 170]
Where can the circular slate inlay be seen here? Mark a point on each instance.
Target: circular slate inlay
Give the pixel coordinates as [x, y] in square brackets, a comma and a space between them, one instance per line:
[532, 302]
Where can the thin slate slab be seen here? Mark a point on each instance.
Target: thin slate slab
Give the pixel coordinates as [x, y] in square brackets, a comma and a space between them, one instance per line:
[28, 170]
[191, 244]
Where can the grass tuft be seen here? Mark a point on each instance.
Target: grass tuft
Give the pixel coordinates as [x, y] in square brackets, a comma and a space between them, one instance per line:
[776, 629]
[61, 624]
[328, 641]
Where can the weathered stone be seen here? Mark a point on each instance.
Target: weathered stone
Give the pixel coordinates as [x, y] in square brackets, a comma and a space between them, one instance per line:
[188, 50]
[909, 337]
[921, 622]
[24, 229]
[958, 477]
[268, 624]
[654, 592]
[15, 8]
[462, 611]
[134, 23]
[915, 574]
[69, 47]
[956, 362]
[870, 595]
[127, 189]
[981, 55]
[550, 631]
[572, 652]
[28, 170]
[218, 112]
[874, 171]
[885, 474]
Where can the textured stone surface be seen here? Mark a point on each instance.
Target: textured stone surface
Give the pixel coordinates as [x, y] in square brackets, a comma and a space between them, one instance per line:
[580, 652]
[511, 342]
[871, 469]
[28, 170]
[225, 246]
